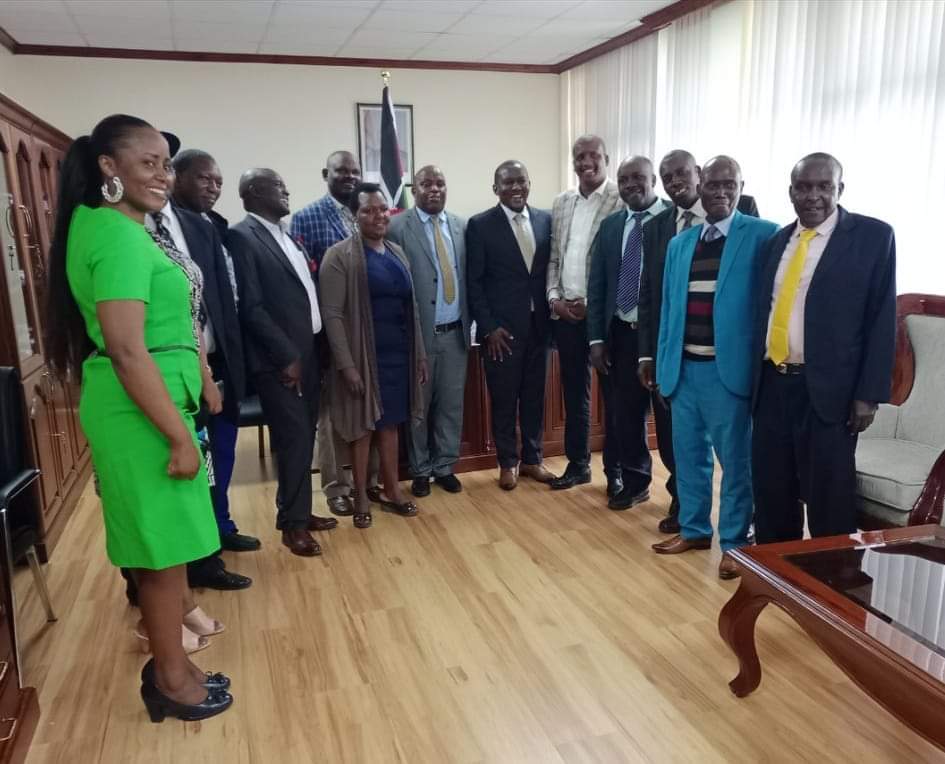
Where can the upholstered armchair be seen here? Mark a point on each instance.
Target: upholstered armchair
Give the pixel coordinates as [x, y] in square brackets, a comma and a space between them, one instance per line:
[900, 459]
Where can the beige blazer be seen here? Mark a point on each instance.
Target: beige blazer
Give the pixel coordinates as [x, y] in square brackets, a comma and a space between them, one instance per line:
[562, 211]
[346, 312]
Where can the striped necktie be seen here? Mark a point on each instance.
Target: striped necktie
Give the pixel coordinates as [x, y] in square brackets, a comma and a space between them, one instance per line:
[628, 281]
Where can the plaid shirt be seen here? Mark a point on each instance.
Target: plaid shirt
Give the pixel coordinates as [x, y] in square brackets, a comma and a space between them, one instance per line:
[319, 225]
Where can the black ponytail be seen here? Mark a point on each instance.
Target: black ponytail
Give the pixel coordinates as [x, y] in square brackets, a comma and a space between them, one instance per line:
[80, 181]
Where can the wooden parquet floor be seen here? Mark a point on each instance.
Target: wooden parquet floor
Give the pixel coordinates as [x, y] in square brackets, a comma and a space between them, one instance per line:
[495, 627]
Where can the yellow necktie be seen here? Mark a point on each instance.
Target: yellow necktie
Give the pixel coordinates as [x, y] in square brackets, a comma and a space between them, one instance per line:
[446, 268]
[778, 343]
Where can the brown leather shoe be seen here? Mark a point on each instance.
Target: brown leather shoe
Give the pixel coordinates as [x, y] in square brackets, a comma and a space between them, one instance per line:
[728, 568]
[678, 545]
[536, 472]
[508, 478]
[300, 542]
[317, 523]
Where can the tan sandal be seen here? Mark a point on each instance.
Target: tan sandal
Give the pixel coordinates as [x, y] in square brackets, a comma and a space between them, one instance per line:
[193, 643]
[202, 624]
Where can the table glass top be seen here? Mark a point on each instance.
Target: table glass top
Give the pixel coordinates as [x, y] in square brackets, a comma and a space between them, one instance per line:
[900, 583]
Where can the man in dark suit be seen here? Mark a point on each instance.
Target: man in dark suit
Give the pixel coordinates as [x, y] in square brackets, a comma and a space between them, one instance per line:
[680, 176]
[281, 323]
[434, 242]
[825, 331]
[197, 185]
[613, 330]
[508, 248]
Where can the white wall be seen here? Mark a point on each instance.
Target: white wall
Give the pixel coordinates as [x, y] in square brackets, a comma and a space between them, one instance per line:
[291, 117]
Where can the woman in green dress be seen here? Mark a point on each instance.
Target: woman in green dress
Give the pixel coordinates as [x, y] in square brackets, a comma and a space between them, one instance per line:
[121, 311]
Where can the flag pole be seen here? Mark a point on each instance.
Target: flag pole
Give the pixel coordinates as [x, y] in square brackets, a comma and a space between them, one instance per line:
[385, 76]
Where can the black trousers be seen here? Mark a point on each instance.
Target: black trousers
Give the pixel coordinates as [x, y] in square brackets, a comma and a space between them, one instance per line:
[627, 402]
[797, 457]
[517, 393]
[292, 421]
[663, 419]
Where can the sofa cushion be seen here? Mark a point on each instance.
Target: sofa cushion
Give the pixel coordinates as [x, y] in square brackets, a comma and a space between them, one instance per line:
[922, 416]
[892, 472]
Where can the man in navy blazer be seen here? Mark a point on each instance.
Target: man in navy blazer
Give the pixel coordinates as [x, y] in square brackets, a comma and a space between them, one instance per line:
[704, 361]
[507, 253]
[613, 299]
[825, 331]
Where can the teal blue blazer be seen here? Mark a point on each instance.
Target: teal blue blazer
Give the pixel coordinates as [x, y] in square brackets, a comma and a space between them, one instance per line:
[733, 306]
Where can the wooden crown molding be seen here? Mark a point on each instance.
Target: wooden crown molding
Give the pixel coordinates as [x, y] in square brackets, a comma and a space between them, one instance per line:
[648, 25]
[29, 123]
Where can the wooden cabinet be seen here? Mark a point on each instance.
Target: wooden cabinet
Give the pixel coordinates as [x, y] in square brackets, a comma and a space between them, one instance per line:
[31, 153]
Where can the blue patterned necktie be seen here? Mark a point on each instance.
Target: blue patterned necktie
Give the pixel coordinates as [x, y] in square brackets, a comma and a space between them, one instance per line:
[628, 282]
[711, 233]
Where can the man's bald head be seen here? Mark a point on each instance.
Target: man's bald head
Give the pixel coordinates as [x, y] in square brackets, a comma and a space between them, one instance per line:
[635, 181]
[816, 186]
[720, 187]
[264, 193]
[342, 173]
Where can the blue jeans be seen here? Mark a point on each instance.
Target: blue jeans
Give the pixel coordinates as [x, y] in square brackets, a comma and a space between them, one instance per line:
[222, 434]
[707, 416]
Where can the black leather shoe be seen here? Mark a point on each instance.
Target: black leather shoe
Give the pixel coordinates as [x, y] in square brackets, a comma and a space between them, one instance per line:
[625, 499]
[572, 476]
[238, 542]
[449, 483]
[218, 578]
[214, 681]
[160, 706]
[420, 487]
[614, 486]
[374, 494]
[342, 506]
[670, 523]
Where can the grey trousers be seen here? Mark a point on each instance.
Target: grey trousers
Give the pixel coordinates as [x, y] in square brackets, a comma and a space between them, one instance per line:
[433, 445]
[334, 458]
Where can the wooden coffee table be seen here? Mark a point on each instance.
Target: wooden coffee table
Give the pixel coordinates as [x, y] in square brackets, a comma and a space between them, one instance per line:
[873, 601]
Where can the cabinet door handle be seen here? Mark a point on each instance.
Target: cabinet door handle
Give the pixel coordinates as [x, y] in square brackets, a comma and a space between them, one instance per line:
[4, 665]
[29, 219]
[6, 737]
[8, 217]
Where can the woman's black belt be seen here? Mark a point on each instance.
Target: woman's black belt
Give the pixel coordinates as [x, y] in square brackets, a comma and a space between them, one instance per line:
[159, 349]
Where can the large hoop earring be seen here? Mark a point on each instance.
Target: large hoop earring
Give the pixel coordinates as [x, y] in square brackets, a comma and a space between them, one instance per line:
[113, 198]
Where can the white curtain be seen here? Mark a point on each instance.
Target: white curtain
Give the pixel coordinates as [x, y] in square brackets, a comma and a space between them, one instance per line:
[613, 96]
[769, 81]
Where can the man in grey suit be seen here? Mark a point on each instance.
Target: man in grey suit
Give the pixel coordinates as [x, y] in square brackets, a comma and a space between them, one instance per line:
[434, 242]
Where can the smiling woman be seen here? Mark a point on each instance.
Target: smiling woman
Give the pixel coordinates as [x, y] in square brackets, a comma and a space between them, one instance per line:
[121, 312]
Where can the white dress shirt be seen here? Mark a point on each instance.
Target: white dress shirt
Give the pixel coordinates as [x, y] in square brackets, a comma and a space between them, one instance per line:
[172, 224]
[299, 264]
[698, 215]
[815, 250]
[511, 214]
[529, 232]
[650, 212]
[574, 261]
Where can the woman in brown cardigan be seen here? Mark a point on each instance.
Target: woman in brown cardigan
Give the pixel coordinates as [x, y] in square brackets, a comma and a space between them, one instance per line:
[378, 359]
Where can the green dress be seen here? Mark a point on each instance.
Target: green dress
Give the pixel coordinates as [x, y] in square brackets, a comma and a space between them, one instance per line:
[151, 520]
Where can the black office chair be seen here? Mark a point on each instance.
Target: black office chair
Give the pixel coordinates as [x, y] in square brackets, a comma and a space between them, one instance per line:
[19, 527]
[251, 415]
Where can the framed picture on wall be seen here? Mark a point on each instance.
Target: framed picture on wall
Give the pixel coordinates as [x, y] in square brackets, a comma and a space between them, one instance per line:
[369, 139]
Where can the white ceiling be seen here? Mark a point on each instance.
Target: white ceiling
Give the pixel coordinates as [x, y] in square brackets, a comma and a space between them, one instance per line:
[488, 31]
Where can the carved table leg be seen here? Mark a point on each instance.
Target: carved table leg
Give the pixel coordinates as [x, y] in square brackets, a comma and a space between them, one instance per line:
[737, 628]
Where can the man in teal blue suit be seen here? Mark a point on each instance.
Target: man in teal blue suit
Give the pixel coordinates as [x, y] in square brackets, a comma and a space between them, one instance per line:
[704, 360]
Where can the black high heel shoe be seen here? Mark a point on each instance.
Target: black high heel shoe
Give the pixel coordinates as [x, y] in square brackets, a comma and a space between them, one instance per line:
[214, 681]
[160, 706]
